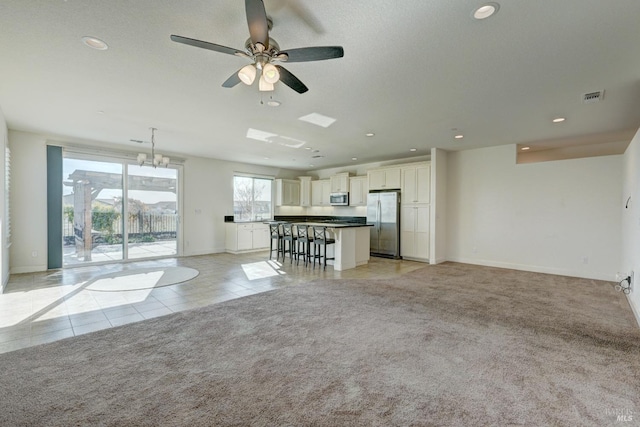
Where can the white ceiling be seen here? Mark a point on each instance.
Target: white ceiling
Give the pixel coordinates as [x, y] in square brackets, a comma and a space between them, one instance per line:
[412, 72]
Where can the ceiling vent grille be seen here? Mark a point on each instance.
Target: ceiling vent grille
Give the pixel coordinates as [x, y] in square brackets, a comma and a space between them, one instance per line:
[590, 97]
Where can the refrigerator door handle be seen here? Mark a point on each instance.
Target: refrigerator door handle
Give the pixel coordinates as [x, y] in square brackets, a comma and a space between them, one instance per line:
[379, 216]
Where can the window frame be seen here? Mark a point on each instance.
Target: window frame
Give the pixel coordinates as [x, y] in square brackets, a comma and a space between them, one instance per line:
[253, 216]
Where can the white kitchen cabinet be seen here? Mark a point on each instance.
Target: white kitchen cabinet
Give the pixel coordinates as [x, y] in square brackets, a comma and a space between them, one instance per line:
[305, 190]
[287, 192]
[384, 179]
[252, 236]
[416, 183]
[340, 182]
[358, 190]
[414, 227]
[320, 191]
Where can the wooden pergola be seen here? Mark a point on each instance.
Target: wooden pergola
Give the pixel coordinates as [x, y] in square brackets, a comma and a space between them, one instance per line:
[86, 187]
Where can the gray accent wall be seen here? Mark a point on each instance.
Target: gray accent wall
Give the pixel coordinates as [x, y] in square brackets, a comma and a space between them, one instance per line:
[54, 207]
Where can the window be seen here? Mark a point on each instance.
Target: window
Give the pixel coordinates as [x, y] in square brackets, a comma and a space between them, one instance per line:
[252, 198]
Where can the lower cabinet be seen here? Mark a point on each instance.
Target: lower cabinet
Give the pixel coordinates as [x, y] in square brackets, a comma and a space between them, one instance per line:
[414, 238]
[246, 237]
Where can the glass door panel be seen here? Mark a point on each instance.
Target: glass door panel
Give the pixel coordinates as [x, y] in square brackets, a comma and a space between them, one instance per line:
[152, 212]
[92, 211]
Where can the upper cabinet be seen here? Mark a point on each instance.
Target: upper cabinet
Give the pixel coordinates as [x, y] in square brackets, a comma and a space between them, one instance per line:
[305, 190]
[416, 183]
[287, 192]
[340, 182]
[320, 191]
[384, 179]
[358, 190]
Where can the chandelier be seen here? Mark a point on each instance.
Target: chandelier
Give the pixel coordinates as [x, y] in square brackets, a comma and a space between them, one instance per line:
[156, 159]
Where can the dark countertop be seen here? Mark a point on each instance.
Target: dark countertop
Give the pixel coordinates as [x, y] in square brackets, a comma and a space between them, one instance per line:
[333, 224]
[328, 224]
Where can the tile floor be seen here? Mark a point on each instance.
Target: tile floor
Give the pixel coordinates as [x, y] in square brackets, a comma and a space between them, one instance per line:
[107, 253]
[42, 307]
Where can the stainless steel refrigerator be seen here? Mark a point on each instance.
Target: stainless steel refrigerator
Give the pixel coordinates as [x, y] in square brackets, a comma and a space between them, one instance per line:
[383, 211]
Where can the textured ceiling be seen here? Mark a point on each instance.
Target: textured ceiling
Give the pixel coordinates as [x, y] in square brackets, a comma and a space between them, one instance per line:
[412, 72]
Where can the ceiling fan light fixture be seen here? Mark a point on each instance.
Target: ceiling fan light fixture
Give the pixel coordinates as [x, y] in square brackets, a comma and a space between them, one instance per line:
[264, 85]
[270, 73]
[247, 74]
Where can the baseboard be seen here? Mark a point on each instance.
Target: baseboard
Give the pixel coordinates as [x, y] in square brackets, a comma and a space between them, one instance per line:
[246, 251]
[635, 311]
[204, 252]
[535, 269]
[28, 269]
[416, 259]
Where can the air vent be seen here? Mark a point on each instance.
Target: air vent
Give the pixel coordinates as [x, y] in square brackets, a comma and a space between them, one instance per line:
[590, 97]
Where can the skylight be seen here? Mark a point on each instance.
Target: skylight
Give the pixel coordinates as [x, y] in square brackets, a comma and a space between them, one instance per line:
[318, 120]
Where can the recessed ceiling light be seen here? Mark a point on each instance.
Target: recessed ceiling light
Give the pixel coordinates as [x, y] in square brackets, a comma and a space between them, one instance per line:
[559, 120]
[354, 158]
[266, 158]
[486, 10]
[100, 112]
[413, 149]
[310, 165]
[459, 136]
[94, 43]
[273, 103]
[525, 148]
[370, 134]
[307, 148]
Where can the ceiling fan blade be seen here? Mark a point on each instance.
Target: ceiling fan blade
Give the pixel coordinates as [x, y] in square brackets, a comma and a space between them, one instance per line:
[233, 80]
[318, 53]
[257, 20]
[209, 46]
[290, 80]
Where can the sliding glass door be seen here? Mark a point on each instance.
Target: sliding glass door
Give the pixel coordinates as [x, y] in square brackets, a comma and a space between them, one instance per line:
[98, 226]
[92, 211]
[152, 217]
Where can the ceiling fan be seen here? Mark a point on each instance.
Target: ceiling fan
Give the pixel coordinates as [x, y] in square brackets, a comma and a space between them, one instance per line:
[264, 51]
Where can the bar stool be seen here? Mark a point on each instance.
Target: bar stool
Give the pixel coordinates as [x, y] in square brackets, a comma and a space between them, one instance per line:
[288, 236]
[305, 240]
[321, 239]
[276, 235]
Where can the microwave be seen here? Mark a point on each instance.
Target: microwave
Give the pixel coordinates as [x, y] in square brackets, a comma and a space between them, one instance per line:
[339, 199]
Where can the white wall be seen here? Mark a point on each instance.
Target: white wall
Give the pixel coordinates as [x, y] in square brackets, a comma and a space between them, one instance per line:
[631, 220]
[4, 248]
[361, 169]
[207, 188]
[28, 202]
[438, 219]
[558, 217]
[208, 197]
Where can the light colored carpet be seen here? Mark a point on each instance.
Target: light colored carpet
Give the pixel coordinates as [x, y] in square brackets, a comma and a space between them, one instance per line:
[142, 278]
[451, 344]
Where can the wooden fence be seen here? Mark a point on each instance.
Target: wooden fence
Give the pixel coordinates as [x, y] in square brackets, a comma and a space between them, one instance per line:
[143, 227]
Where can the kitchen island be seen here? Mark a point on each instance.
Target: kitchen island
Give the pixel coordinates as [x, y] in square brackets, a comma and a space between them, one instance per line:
[352, 243]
